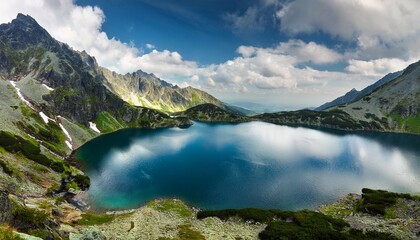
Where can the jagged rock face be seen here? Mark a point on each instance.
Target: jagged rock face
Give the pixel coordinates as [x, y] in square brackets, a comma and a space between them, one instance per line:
[24, 32]
[4, 207]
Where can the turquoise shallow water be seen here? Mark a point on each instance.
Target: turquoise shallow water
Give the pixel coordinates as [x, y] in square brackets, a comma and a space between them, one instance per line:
[217, 166]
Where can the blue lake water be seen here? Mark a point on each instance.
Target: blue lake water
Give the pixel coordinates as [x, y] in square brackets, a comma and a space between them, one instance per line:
[217, 166]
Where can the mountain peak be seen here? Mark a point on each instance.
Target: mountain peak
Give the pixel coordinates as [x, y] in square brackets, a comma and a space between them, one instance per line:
[25, 22]
[25, 31]
[24, 18]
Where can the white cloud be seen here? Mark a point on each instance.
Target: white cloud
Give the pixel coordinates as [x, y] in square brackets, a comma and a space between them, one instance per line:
[271, 68]
[300, 51]
[377, 67]
[309, 52]
[150, 46]
[166, 62]
[246, 51]
[386, 33]
[389, 19]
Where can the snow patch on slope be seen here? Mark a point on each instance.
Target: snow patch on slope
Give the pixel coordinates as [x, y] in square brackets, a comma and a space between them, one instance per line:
[45, 117]
[20, 94]
[93, 127]
[51, 89]
[69, 140]
[69, 145]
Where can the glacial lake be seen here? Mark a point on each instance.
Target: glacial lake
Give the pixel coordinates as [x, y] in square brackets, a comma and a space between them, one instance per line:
[256, 164]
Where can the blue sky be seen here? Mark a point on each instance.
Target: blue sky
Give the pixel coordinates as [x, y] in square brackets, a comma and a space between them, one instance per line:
[274, 54]
[194, 28]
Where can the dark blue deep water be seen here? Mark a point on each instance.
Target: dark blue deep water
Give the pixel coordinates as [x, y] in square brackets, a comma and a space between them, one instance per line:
[216, 166]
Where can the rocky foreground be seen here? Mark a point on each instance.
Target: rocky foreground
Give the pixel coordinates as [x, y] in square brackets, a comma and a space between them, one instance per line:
[373, 215]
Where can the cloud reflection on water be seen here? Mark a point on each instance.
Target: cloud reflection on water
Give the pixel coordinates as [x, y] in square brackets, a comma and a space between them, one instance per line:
[251, 165]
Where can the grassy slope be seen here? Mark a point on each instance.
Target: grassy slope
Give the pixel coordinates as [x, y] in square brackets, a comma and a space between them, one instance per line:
[31, 166]
[211, 113]
[155, 95]
[396, 103]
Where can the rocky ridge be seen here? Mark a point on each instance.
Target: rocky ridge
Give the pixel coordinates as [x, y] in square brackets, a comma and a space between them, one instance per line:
[147, 90]
[354, 95]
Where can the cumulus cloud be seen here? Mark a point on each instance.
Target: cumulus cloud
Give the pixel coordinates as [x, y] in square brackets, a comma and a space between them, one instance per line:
[309, 52]
[377, 67]
[382, 35]
[272, 68]
[383, 30]
[389, 19]
[166, 62]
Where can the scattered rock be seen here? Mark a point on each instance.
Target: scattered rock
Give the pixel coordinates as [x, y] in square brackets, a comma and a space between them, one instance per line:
[90, 233]
[27, 237]
[4, 207]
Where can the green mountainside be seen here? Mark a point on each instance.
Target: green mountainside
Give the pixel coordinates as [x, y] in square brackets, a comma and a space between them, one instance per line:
[395, 105]
[142, 89]
[211, 113]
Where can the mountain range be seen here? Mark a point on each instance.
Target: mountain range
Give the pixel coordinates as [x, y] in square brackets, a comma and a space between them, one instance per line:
[147, 90]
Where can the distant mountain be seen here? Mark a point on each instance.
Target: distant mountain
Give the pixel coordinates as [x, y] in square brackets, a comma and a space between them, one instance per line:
[354, 95]
[240, 110]
[348, 97]
[211, 113]
[147, 90]
[393, 106]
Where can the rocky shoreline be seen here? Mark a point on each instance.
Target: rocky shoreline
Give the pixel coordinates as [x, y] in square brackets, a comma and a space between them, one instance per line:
[173, 219]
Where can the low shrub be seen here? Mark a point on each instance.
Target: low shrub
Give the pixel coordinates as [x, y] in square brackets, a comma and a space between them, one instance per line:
[94, 219]
[24, 218]
[7, 234]
[186, 233]
[299, 225]
[30, 149]
[82, 181]
[6, 168]
[171, 205]
[375, 202]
